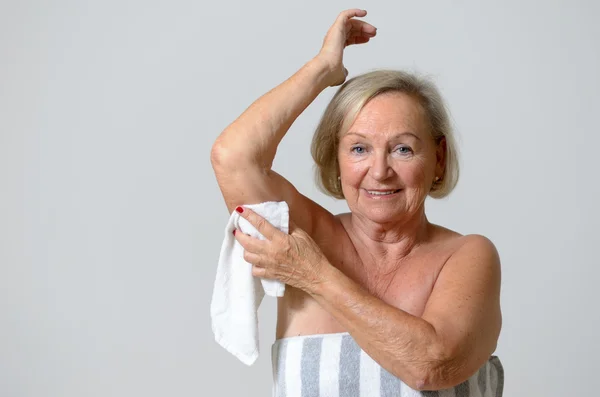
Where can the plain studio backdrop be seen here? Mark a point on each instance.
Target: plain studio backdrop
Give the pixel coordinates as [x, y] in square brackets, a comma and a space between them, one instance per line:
[111, 219]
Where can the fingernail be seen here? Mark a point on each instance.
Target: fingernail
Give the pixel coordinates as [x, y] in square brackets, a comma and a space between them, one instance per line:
[234, 232]
[239, 209]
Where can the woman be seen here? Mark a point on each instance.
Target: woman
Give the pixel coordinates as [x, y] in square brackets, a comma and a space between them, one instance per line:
[416, 303]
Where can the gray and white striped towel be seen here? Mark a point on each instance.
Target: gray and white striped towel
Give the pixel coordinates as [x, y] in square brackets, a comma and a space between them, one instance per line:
[334, 365]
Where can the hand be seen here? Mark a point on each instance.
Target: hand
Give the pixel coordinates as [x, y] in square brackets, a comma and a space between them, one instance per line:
[345, 31]
[293, 259]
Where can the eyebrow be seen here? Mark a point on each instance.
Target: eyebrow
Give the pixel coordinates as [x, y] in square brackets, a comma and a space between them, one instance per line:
[395, 136]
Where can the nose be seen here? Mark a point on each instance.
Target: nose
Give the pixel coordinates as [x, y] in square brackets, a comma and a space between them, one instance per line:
[380, 167]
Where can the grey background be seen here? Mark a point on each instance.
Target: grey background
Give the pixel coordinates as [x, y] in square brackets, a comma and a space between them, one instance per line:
[111, 219]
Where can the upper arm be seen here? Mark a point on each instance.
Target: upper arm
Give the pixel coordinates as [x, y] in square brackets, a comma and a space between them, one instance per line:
[464, 307]
[251, 184]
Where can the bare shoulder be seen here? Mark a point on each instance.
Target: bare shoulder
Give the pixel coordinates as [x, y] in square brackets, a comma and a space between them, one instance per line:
[471, 256]
[480, 247]
[459, 243]
[474, 260]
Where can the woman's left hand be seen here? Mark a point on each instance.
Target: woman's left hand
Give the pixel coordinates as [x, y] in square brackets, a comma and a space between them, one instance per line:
[294, 259]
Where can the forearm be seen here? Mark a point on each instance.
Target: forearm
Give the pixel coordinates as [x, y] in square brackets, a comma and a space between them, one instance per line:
[407, 346]
[256, 133]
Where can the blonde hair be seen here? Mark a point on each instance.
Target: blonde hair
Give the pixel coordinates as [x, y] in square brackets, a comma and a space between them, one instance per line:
[352, 96]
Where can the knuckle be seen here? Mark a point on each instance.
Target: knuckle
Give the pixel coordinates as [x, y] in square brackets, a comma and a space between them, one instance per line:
[260, 223]
[287, 246]
[288, 251]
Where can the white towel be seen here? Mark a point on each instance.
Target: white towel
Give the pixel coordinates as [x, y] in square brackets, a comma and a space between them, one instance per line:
[237, 294]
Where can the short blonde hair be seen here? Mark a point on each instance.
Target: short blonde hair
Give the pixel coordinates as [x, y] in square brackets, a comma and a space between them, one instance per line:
[347, 102]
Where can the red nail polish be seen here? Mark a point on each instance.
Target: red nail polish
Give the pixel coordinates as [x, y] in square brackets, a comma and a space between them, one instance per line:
[239, 209]
[234, 232]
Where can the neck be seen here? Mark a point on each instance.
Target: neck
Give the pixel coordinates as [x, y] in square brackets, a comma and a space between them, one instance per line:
[388, 244]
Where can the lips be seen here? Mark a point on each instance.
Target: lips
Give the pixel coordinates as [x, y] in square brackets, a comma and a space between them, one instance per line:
[387, 192]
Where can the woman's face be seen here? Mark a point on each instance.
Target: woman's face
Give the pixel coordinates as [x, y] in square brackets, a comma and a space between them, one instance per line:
[388, 159]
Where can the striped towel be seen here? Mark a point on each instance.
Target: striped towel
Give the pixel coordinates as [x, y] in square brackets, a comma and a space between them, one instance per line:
[333, 365]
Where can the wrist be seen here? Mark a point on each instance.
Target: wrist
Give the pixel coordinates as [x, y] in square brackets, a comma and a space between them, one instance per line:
[321, 70]
[324, 278]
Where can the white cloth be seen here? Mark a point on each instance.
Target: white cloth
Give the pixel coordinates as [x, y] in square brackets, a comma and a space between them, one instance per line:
[237, 294]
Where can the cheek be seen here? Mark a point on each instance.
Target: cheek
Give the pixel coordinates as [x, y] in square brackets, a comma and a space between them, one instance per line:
[352, 170]
[414, 175]
[354, 173]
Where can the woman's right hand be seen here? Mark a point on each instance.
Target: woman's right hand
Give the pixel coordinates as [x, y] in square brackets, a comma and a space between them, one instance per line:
[345, 31]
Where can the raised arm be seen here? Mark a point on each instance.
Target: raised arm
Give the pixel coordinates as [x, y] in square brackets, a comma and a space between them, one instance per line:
[243, 154]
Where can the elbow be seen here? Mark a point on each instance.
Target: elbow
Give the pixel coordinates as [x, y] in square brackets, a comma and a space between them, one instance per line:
[432, 379]
[219, 154]
[225, 158]
[440, 371]
[225, 155]
[229, 149]
[426, 379]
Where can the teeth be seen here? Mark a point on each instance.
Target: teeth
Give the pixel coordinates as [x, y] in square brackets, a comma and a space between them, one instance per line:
[381, 193]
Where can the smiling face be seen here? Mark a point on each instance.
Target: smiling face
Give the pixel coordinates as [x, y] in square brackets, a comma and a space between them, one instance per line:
[388, 159]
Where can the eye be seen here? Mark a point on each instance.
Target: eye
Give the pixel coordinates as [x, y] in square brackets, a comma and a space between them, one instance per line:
[403, 149]
[358, 149]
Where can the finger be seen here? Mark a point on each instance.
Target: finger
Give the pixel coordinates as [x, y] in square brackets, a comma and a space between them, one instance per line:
[260, 223]
[347, 22]
[250, 257]
[254, 259]
[363, 28]
[357, 40]
[351, 13]
[259, 272]
[249, 243]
